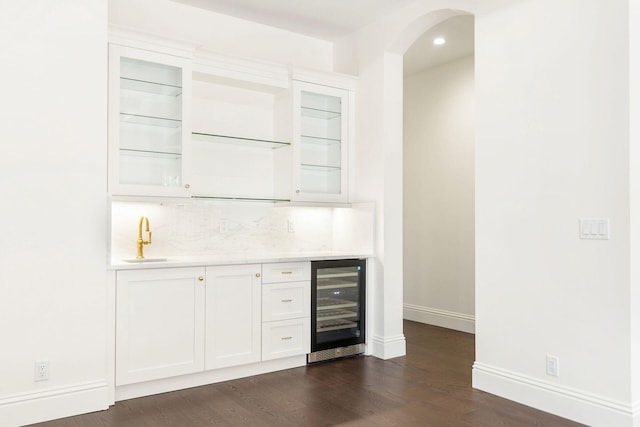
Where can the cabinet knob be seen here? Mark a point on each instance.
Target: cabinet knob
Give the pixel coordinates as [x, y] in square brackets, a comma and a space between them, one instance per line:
[257, 274]
[200, 278]
[187, 186]
[297, 191]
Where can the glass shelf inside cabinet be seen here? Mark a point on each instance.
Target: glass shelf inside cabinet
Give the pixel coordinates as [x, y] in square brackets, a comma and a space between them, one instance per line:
[239, 141]
[149, 87]
[150, 121]
[149, 154]
[308, 139]
[320, 168]
[316, 113]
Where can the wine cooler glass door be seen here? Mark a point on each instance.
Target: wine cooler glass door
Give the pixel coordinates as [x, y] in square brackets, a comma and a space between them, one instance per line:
[339, 305]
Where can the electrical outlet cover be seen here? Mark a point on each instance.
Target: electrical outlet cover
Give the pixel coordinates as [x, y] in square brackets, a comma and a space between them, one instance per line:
[41, 370]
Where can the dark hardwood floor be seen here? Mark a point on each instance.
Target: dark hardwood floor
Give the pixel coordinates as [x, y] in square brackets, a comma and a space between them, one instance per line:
[430, 386]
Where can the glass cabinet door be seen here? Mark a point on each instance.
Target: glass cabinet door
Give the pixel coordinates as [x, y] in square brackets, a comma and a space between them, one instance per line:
[147, 123]
[321, 140]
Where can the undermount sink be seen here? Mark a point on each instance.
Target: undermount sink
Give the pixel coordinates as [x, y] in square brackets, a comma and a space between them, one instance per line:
[141, 260]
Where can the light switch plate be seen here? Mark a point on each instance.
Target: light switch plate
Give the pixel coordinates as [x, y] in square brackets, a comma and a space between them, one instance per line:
[594, 229]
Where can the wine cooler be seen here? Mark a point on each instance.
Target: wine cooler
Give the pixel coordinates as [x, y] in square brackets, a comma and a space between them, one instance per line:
[337, 309]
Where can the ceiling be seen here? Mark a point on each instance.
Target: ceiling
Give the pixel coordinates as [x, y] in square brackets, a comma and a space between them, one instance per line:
[324, 19]
[458, 33]
[332, 19]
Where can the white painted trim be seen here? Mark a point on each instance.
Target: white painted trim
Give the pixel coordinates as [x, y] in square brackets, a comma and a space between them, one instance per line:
[132, 37]
[388, 347]
[148, 388]
[111, 328]
[330, 79]
[443, 318]
[577, 405]
[242, 70]
[53, 403]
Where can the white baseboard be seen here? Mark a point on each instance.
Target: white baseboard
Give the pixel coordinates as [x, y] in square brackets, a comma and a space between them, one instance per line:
[131, 391]
[53, 403]
[445, 319]
[576, 405]
[388, 347]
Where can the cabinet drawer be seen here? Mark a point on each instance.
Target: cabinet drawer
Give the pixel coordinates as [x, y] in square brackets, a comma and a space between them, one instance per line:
[282, 301]
[286, 272]
[286, 338]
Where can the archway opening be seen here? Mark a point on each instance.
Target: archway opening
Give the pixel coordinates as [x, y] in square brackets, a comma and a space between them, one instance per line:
[439, 176]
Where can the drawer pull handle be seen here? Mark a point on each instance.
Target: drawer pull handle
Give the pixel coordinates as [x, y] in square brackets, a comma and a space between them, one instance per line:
[286, 300]
[286, 338]
[287, 272]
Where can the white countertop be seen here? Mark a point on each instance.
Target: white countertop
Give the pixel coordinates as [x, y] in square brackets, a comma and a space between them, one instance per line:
[226, 259]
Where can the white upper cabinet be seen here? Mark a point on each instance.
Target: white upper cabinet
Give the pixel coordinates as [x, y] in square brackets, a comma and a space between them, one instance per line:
[149, 130]
[218, 127]
[321, 134]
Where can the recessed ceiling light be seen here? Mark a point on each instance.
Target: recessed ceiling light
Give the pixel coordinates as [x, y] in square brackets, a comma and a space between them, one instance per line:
[438, 41]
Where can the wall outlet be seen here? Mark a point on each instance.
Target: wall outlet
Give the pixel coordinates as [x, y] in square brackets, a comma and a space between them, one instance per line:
[41, 370]
[291, 227]
[224, 226]
[553, 366]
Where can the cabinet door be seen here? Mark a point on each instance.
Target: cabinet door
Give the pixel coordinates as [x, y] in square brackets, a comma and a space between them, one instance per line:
[159, 323]
[149, 131]
[233, 315]
[321, 138]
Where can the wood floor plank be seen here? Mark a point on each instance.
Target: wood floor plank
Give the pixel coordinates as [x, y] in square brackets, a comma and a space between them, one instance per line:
[430, 386]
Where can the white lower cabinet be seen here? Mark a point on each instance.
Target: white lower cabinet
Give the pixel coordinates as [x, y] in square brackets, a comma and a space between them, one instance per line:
[286, 310]
[159, 323]
[233, 315]
[177, 321]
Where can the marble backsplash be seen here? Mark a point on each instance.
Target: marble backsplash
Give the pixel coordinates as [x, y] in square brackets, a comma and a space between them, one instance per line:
[199, 227]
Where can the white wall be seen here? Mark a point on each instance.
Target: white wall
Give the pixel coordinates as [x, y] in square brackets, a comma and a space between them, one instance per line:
[634, 159]
[53, 228]
[439, 178]
[552, 147]
[376, 160]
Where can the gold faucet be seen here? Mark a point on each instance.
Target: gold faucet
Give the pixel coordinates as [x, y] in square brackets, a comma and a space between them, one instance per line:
[141, 241]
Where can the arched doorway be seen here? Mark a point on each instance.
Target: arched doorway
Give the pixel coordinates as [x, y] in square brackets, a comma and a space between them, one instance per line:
[438, 176]
[378, 171]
